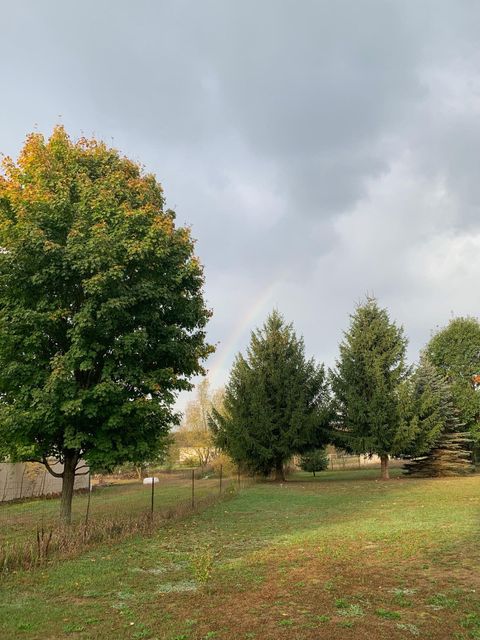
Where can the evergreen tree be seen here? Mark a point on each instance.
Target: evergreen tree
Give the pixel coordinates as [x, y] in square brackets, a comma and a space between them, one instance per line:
[315, 460]
[432, 431]
[455, 352]
[275, 403]
[366, 383]
[428, 409]
[451, 456]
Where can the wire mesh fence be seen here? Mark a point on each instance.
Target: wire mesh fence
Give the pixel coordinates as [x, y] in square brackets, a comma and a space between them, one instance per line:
[106, 509]
[340, 460]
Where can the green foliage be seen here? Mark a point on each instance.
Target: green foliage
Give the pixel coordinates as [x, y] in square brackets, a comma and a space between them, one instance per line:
[428, 409]
[431, 429]
[449, 457]
[276, 401]
[202, 560]
[315, 460]
[423, 527]
[366, 383]
[102, 314]
[455, 351]
[388, 615]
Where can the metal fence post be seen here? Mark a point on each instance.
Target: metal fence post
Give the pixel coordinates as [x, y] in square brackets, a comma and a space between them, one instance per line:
[153, 495]
[193, 488]
[221, 473]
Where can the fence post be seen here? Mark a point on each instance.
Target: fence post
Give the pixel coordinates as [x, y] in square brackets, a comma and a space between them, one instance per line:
[193, 488]
[153, 495]
[238, 478]
[43, 495]
[221, 473]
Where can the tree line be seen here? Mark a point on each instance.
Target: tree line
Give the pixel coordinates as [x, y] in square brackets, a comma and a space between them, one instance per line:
[279, 403]
[103, 322]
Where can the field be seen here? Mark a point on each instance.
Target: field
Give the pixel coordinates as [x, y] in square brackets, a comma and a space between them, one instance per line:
[339, 556]
[20, 520]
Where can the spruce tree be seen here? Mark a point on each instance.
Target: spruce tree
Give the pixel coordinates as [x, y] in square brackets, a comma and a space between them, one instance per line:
[450, 457]
[455, 351]
[436, 443]
[366, 382]
[276, 402]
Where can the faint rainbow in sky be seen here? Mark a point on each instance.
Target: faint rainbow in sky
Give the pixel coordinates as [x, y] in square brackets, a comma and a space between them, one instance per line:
[246, 322]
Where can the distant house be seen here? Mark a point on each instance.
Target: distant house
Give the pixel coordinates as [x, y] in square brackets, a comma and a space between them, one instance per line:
[31, 480]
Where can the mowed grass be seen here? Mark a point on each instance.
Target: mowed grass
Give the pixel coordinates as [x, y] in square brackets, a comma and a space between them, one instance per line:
[341, 556]
[20, 521]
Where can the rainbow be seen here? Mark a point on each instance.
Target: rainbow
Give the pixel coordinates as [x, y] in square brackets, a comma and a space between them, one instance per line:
[231, 346]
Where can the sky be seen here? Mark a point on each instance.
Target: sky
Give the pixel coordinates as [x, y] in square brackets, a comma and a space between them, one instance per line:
[319, 151]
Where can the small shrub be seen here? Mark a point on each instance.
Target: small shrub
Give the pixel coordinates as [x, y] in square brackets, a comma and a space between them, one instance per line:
[229, 468]
[202, 560]
[315, 460]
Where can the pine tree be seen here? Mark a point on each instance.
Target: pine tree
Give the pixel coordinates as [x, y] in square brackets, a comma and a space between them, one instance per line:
[436, 445]
[366, 384]
[455, 351]
[275, 404]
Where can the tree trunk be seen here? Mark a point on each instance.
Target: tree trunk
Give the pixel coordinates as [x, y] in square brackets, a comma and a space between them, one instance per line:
[384, 463]
[279, 472]
[68, 481]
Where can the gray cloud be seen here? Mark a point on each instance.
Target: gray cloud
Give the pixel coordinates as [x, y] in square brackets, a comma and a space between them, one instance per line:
[319, 150]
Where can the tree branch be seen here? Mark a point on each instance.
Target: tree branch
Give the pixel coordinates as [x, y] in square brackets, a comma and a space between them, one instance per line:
[50, 470]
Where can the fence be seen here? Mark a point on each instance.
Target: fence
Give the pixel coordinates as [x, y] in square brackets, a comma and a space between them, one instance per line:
[31, 480]
[346, 461]
[30, 531]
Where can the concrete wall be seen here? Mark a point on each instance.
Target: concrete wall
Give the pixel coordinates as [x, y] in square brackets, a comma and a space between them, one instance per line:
[29, 479]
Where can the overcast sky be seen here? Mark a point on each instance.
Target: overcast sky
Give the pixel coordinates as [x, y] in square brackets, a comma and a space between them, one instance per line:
[319, 150]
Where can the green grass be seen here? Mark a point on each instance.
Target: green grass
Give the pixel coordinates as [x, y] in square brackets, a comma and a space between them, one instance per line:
[344, 556]
[19, 521]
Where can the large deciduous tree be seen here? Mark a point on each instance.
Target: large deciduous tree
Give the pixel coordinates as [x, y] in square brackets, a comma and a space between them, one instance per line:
[366, 383]
[455, 352]
[102, 313]
[276, 401]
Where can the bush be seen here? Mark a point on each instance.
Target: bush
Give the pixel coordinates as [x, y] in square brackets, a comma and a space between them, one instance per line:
[228, 466]
[316, 460]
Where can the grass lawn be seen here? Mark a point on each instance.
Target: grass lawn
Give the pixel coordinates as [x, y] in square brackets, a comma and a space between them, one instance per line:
[19, 521]
[341, 556]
